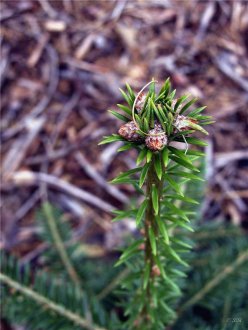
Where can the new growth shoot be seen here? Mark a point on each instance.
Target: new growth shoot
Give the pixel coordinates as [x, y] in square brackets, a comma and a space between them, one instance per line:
[152, 124]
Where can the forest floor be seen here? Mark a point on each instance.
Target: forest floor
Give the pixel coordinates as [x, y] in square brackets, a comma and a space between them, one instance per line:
[62, 63]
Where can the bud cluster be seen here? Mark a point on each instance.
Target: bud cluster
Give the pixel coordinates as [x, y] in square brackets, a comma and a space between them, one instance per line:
[156, 138]
[157, 119]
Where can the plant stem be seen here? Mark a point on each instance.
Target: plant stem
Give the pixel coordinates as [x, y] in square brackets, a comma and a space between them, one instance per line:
[150, 221]
[225, 272]
[59, 244]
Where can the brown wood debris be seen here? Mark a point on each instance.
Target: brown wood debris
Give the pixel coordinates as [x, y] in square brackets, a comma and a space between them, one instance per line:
[62, 63]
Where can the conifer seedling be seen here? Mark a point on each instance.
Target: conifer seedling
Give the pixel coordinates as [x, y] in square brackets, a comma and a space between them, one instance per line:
[152, 124]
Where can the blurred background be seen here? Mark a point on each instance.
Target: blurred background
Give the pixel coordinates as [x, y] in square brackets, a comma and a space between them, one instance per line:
[62, 63]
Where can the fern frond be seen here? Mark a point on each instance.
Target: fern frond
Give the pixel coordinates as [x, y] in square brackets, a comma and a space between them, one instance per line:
[57, 238]
[216, 280]
[46, 302]
[217, 284]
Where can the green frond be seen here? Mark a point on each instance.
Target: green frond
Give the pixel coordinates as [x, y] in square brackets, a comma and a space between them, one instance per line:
[218, 280]
[44, 302]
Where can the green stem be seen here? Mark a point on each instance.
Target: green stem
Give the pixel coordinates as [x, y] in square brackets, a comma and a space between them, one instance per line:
[225, 272]
[150, 221]
[59, 244]
[49, 304]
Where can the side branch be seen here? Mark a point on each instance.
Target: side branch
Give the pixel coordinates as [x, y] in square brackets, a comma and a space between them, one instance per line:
[49, 304]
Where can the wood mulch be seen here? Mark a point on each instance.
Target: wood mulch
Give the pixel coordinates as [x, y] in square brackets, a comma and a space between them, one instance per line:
[61, 65]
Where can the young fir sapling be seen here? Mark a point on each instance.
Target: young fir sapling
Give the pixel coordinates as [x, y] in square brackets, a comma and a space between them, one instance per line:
[152, 123]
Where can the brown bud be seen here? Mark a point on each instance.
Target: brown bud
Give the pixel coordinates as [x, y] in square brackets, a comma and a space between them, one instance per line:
[142, 246]
[182, 123]
[157, 139]
[129, 132]
[140, 102]
[155, 271]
